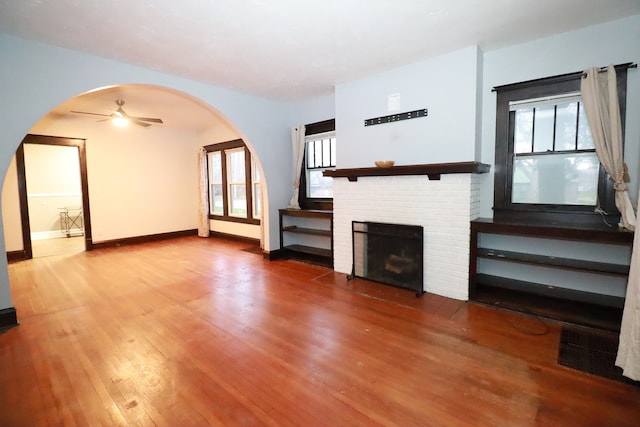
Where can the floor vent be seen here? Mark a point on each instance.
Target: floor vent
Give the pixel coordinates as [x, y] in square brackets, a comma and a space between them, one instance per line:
[591, 351]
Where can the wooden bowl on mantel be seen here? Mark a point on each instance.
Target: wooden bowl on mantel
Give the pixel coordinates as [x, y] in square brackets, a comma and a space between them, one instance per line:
[384, 163]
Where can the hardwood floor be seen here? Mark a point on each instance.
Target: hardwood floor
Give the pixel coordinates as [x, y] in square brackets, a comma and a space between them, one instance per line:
[58, 246]
[196, 332]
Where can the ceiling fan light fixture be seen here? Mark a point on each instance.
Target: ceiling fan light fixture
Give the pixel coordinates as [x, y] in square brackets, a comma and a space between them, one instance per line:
[119, 120]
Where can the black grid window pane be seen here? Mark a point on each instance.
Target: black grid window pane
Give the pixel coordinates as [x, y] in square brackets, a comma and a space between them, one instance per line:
[317, 148]
[523, 136]
[585, 140]
[566, 120]
[310, 155]
[556, 127]
[321, 153]
[326, 153]
[333, 151]
[543, 129]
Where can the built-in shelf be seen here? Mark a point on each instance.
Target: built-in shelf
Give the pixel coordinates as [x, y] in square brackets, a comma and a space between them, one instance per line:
[310, 250]
[553, 261]
[303, 230]
[549, 291]
[311, 227]
[432, 170]
[535, 295]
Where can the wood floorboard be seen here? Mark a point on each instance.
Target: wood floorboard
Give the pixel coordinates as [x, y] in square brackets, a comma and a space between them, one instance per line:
[199, 332]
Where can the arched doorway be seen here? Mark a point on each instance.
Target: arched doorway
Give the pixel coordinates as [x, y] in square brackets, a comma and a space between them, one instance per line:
[140, 177]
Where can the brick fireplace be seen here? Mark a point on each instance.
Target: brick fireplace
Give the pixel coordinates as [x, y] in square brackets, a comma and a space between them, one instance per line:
[442, 198]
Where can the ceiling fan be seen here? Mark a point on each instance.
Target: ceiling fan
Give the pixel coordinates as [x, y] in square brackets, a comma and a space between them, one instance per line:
[120, 118]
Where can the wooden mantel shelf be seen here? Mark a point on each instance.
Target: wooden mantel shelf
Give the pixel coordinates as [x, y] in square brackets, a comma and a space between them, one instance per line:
[432, 170]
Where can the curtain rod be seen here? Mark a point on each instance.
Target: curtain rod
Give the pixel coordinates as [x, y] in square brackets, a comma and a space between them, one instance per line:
[603, 69]
[561, 77]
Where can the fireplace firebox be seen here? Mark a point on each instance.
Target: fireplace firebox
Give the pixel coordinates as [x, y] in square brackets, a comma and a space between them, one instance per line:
[389, 253]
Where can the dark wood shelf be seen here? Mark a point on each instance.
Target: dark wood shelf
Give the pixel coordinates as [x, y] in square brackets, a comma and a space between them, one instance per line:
[545, 290]
[600, 234]
[309, 231]
[579, 313]
[432, 170]
[552, 261]
[310, 250]
[551, 301]
[307, 213]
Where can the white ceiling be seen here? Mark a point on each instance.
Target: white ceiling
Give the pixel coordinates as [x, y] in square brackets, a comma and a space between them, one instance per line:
[292, 49]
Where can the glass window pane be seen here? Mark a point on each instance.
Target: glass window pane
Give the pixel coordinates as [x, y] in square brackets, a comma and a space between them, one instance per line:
[310, 154]
[326, 153]
[585, 140]
[216, 200]
[237, 200]
[235, 166]
[255, 171]
[318, 153]
[215, 166]
[319, 186]
[562, 179]
[333, 152]
[543, 129]
[566, 120]
[257, 200]
[523, 130]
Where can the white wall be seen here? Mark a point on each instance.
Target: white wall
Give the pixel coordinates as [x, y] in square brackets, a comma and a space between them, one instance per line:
[611, 43]
[445, 85]
[11, 210]
[314, 110]
[141, 180]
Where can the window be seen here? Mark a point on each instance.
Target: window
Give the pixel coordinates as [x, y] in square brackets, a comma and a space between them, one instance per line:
[320, 155]
[234, 183]
[546, 165]
[216, 200]
[256, 190]
[554, 155]
[316, 190]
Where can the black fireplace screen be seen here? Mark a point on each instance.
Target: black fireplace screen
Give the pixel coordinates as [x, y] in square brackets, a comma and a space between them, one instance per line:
[389, 253]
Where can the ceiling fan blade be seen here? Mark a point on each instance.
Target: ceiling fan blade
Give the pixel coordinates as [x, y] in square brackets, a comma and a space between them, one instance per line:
[91, 114]
[139, 123]
[135, 118]
[146, 119]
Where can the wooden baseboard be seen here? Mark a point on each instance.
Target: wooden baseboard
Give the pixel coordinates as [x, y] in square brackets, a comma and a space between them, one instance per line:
[14, 256]
[274, 255]
[8, 318]
[143, 239]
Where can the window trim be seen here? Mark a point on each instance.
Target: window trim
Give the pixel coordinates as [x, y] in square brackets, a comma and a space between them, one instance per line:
[229, 145]
[504, 209]
[310, 202]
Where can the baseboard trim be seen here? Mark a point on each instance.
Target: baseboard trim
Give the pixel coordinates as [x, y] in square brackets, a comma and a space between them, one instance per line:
[143, 239]
[274, 255]
[8, 318]
[13, 256]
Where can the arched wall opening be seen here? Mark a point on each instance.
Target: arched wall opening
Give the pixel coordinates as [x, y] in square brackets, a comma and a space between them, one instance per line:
[143, 181]
[37, 77]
